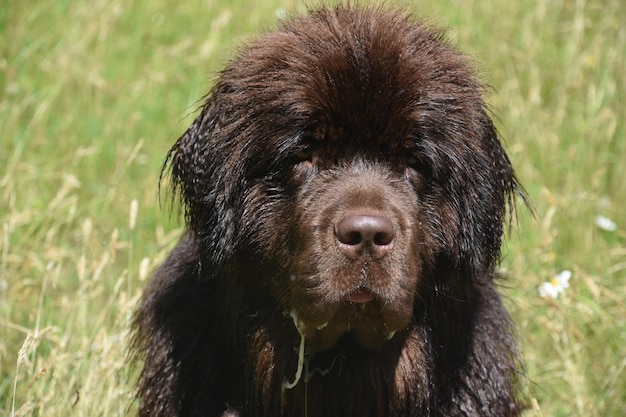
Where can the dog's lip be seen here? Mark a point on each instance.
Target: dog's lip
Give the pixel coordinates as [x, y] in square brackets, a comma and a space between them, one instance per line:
[360, 296]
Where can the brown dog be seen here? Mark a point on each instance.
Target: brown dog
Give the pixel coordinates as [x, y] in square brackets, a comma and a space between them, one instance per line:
[345, 192]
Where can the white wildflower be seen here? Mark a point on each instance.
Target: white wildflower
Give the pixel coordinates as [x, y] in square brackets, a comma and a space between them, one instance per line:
[606, 224]
[558, 284]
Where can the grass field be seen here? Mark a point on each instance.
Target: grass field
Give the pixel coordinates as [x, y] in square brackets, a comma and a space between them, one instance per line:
[93, 94]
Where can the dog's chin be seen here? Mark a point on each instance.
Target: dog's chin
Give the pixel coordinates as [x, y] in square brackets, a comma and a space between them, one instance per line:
[366, 323]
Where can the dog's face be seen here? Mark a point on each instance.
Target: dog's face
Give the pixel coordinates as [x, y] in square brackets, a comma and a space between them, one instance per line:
[355, 259]
[352, 166]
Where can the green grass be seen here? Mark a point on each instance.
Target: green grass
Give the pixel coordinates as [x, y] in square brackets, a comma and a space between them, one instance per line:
[93, 93]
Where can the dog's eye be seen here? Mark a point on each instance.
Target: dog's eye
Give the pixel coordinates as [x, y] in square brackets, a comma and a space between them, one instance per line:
[417, 165]
[304, 155]
[413, 162]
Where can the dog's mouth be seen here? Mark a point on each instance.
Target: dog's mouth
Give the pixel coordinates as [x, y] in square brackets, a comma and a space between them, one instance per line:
[363, 332]
[361, 295]
[361, 315]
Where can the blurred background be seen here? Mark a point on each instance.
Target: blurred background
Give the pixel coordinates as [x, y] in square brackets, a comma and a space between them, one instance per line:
[93, 94]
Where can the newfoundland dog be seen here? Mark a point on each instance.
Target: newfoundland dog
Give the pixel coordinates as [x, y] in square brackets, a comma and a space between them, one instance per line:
[345, 192]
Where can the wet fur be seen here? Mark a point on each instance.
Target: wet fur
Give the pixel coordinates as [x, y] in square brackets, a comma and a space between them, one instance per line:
[345, 110]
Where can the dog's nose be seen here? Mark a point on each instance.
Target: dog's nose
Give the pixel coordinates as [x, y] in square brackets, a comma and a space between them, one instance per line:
[362, 236]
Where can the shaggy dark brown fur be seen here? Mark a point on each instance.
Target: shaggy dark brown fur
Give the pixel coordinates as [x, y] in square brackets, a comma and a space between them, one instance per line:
[345, 193]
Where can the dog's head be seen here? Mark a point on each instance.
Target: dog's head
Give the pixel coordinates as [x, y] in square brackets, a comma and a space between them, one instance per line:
[349, 159]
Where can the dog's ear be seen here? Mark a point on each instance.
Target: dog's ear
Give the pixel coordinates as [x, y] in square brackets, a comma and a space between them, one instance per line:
[201, 180]
[483, 211]
[473, 182]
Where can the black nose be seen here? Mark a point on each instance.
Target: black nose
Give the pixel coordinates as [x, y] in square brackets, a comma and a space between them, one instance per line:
[361, 236]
